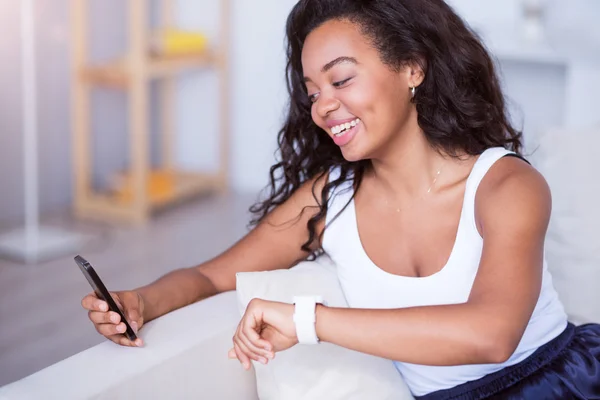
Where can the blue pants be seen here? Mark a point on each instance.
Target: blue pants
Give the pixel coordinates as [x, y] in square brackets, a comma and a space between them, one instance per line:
[567, 367]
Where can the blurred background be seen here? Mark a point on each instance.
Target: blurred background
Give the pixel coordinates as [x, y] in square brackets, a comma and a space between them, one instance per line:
[138, 132]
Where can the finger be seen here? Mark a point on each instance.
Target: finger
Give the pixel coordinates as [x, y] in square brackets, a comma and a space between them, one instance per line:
[249, 353]
[255, 341]
[88, 301]
[242, 357]
[99, 317]
[231, 354]
[111, 329]
[125, 341]
[258, 354]
[122, 340]
[138, 342]
[93, 303]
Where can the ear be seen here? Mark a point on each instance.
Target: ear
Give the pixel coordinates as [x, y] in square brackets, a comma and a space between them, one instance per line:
[415, 73]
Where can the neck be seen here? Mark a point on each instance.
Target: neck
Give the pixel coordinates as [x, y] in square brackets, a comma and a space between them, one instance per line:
[409, 165]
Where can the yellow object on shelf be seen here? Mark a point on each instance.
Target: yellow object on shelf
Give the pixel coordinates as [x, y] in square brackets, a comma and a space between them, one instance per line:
[173, 42]
[160, 187]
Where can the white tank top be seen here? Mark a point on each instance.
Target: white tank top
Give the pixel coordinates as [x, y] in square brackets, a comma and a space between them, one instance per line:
[367, 286]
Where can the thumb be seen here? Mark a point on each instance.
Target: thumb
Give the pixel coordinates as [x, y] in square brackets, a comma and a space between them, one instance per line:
[135, 319]
[132, 306]
[117, 300]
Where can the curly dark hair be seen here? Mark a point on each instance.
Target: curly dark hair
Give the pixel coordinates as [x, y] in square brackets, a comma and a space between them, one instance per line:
[460, 105]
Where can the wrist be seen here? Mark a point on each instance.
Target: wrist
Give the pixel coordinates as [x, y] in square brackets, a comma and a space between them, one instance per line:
[146, 308]
[320, 315]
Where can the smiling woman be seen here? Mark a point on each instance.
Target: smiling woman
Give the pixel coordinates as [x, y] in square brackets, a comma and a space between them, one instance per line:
[398, 161]
[411, 67]
[396, 106]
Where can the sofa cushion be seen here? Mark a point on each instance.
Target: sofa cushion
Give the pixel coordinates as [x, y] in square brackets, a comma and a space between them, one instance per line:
[323, 371]
[568, 160]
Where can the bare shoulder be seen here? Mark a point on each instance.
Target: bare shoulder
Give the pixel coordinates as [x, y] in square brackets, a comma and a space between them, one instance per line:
[513, 192]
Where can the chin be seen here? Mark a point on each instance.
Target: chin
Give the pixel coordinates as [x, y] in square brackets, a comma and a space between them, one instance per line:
[354, 153]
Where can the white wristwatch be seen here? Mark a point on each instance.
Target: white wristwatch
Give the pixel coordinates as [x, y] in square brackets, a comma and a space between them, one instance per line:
[305, 318]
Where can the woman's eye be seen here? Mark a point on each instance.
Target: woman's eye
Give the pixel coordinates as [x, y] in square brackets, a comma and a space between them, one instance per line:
[341, 83]
[313, 97]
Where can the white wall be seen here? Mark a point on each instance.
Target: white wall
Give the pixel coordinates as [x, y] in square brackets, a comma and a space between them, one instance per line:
[258, 88]
[481, 14]
[257, 91]
[572, 25]
[553, 83]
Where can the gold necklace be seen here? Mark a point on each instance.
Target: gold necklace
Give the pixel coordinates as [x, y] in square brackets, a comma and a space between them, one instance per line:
[435, 178]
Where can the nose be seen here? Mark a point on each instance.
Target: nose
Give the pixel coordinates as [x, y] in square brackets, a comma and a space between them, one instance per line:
[326, 103]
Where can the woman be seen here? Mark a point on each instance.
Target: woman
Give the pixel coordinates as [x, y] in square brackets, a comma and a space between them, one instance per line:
[395, 161]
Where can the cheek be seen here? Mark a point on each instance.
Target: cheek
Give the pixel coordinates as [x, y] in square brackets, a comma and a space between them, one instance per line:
[387, 102]
[370, 98]
[383, 107]
[359, 99]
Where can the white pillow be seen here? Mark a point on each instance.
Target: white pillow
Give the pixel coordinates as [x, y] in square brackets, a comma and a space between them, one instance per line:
[569, 162]
[323, 371]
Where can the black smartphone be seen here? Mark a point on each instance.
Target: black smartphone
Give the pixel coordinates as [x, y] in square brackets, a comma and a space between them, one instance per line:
[103, 294]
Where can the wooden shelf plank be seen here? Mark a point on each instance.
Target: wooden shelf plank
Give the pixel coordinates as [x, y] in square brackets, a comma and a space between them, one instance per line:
[106, 206]
[165, 66]
[116, 74]
[100, 207]
[165, 187]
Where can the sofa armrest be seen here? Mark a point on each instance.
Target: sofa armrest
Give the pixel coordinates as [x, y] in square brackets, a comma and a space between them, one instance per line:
[185, 356]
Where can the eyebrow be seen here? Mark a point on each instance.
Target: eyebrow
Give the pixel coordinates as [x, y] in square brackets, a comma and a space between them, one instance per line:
[333, 63]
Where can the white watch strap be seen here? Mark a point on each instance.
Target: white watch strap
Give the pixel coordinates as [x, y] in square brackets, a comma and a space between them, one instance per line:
[305, 318]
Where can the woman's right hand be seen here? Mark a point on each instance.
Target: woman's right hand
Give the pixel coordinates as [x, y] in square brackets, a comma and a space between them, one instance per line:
[109, 324]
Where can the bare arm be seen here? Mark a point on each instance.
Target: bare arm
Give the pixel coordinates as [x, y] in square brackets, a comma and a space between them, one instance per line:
[513, 209]
[274, 244]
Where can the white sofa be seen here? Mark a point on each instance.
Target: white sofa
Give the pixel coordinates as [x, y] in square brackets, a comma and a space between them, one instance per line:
[185, 355]
[185, 358]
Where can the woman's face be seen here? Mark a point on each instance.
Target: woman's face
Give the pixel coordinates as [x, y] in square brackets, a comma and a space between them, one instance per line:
[357, 99]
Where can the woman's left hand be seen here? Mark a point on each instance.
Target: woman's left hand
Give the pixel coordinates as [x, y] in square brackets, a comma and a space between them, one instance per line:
[266, 328]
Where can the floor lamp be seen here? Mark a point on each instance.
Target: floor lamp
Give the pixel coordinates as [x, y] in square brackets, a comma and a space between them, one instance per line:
[33, 243]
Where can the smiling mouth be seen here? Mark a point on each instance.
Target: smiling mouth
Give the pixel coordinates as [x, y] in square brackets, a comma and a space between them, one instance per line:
[339, 130]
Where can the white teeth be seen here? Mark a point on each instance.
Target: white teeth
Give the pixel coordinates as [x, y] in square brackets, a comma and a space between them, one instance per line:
[337, 130]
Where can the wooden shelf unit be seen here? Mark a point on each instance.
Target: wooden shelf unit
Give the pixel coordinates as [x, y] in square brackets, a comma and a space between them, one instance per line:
[132, 73]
